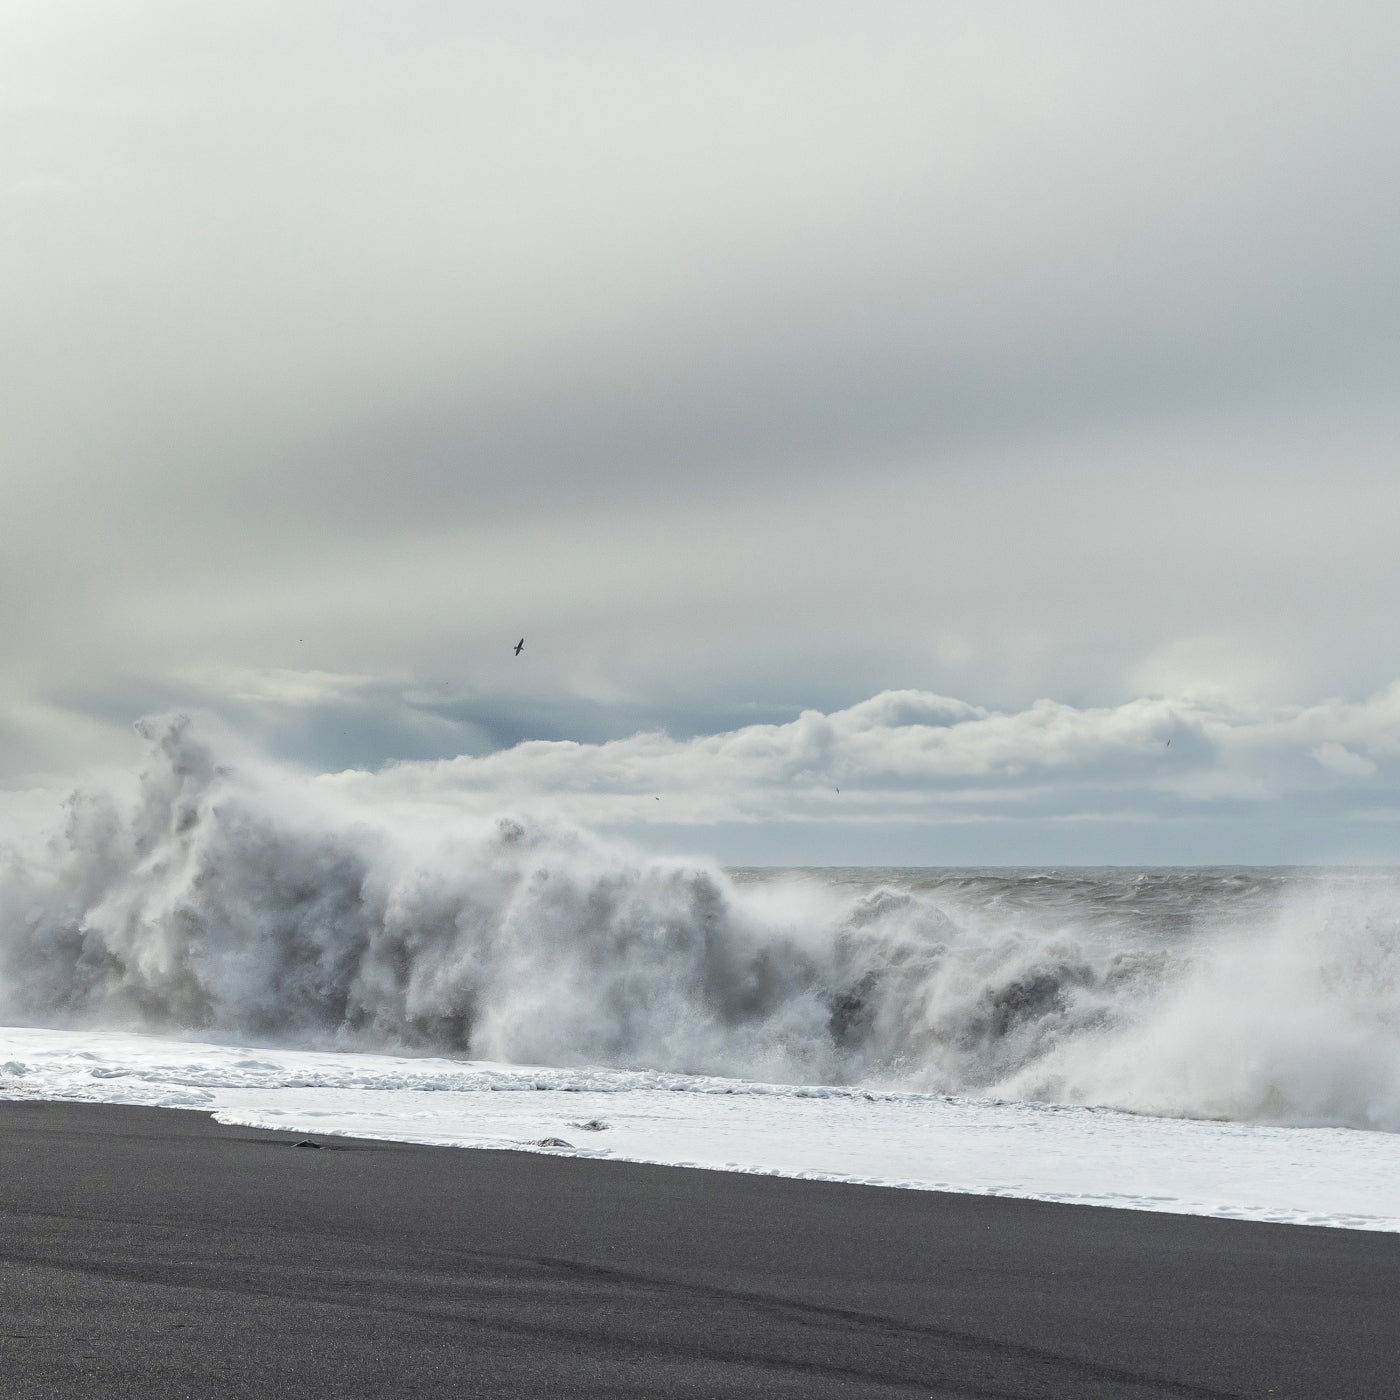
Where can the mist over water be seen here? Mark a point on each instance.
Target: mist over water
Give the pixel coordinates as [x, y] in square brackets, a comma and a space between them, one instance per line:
[248, 903]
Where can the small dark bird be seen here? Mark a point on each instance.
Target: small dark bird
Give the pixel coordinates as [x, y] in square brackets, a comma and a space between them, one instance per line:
[520, 646]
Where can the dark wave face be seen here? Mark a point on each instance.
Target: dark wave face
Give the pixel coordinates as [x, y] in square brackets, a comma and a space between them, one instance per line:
[244, 902]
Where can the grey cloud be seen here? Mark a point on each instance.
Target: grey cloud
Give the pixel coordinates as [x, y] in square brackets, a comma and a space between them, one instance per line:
[750, 359]
[844, 260]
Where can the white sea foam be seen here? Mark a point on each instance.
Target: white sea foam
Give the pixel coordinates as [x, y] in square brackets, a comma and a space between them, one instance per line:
[1313, 1176]
[241, 901]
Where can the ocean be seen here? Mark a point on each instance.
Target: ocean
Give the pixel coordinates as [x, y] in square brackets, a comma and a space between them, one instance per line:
[234, 938]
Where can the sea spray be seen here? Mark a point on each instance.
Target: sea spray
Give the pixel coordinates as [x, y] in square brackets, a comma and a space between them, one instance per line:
[242, 901]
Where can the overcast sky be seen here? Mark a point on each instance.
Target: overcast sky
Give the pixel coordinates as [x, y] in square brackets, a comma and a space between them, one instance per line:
[949, 403]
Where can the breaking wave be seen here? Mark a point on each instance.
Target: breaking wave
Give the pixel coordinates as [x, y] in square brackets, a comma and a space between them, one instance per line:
[247, 903]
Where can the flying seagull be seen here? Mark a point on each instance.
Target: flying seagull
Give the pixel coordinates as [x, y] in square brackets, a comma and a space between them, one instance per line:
[520, 646]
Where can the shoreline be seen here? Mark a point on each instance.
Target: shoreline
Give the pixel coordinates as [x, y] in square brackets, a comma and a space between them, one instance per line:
[1323, 1177]
[155, 1251]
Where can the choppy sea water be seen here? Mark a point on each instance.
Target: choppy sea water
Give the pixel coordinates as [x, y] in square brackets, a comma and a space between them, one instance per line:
[1262, 994]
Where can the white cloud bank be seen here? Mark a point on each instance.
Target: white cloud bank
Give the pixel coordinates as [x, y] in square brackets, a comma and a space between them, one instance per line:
[911, 756]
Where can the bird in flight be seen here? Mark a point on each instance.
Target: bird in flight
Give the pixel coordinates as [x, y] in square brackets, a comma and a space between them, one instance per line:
[520, 646]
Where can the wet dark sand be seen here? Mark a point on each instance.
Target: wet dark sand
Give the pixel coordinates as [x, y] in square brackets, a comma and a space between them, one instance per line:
[152, 1253]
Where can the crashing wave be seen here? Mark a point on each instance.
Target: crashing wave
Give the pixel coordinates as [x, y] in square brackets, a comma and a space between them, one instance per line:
[243, 901]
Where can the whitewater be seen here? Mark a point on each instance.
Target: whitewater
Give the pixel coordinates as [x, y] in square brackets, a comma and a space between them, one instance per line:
[234, 937]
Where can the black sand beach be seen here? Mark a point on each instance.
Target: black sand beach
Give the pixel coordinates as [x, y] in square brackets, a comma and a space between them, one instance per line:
[154, 1253]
